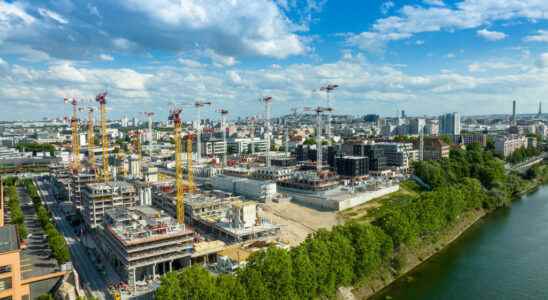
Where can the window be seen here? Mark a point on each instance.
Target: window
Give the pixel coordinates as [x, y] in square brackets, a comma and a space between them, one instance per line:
[5, 269]
[5, 284]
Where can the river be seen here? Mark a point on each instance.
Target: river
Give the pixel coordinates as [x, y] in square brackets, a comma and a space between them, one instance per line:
[502, 256]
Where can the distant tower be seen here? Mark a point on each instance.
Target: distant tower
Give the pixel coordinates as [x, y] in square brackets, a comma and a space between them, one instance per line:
[403, 114]
[514, 112]
[539, 109]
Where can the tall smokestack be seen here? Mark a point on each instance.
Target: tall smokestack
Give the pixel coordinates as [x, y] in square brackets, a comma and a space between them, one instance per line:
[514, 112]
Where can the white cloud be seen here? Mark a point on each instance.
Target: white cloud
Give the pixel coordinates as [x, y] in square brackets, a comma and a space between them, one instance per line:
[466, 14]
[220, 60]
[105, 57]
[65, 71]
[450, 55]
[542, 61]
[491, 35]
[434, 2]
[541, 36]
[386, 6]
[3, 62]
[234, 77]
[487, 66]
[52, 15]
[190, 63]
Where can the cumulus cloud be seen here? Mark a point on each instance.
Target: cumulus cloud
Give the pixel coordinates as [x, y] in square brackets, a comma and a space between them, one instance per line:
[105, 57]
[542, 61]
[491, 35]
[541, 36]
[229, 28]
[434, 2]
[466, 14]
[190, 63]
[386, 6]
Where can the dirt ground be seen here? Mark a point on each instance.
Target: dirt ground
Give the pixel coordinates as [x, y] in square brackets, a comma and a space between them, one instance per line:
[298, 221]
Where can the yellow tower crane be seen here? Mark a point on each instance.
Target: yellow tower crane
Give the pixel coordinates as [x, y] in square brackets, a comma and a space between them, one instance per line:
[175, 117]
[189, 163]
[91, 142]
[75, 142]
[102, 99]
[121, 156]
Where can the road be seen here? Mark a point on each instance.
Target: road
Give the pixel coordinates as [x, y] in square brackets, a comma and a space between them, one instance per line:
[90, 277]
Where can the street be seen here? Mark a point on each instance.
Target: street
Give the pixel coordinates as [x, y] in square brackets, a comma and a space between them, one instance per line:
[90, 277]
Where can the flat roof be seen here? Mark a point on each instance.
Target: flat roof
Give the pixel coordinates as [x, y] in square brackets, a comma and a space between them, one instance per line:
[8, 238]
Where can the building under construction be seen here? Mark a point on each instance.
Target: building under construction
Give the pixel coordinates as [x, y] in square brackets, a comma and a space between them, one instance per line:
[97, 198]
[143, 243]
[216, 213]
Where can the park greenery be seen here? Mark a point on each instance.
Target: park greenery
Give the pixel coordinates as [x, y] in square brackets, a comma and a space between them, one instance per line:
[36, 147]
[14, 207]
[523, 154]
[56, 241]
[355, 252]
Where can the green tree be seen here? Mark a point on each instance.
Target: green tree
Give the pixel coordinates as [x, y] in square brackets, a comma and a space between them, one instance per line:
[303, 273]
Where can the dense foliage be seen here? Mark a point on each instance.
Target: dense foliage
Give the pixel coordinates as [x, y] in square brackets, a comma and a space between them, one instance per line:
[36, 147]
[350, 254]
[523, 154]
[14, 206]
[56, 241]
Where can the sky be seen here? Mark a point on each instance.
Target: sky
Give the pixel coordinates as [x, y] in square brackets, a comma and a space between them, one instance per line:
[426, 57]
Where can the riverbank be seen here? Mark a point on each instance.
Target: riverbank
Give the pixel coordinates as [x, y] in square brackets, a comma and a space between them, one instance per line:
[416, 256]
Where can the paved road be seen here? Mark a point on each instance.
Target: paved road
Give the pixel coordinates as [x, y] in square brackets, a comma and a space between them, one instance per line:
[90, 277]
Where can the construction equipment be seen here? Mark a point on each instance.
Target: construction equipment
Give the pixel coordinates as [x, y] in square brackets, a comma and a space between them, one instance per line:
[75, 142]
[91, 142]
[328, 89]
[252, 134]
[121, 156]
[199, 105]
[150, 137]
[137, 148]
[223, 113]
[268, 131]
[175, 117]
[102, 99]
[189, 163]
[319, 110]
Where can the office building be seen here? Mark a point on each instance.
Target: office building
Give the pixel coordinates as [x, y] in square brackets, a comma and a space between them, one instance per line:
[97, 198]
[352, 166]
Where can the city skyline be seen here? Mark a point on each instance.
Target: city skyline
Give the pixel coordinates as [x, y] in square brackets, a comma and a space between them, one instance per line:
[425, 57]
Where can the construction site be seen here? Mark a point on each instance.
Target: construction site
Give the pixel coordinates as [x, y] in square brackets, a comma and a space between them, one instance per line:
[153, 206]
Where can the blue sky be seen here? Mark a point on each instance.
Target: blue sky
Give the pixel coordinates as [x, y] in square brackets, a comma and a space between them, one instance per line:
[424, 56]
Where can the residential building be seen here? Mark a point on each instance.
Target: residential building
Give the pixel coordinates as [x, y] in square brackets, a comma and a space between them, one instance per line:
[435, 149]
[506, 145]
[450, 124]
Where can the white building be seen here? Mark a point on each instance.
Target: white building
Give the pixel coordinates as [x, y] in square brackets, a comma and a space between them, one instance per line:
[506, 145]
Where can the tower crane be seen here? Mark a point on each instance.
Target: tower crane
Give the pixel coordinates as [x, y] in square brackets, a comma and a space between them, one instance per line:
[75, 142]
[150, 137]
[199, 105]
[267, 100]
[175, 117]
[253, 122]
[189, 163]
[223, 113]
[328, 89]
[102, 99]
[121, 156]
[91, 141]
[137, 149]
[319, 110]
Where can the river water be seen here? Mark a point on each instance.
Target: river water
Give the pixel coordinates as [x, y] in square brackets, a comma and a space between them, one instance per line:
[502, 256]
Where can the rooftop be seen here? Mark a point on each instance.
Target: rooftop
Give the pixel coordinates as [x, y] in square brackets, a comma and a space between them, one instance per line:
[8, 238]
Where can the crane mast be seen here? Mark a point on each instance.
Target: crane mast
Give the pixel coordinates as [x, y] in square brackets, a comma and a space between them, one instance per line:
[328, 89]
[223, 113]
[189, 163]
[149, 135]
[175, 117]
[102, 99]
[268, 130]
[199, 105]
[319, 111]
[91, 141]
[75, 141]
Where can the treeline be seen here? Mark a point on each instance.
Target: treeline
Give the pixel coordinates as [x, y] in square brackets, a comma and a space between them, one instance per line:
[353, 253]
[346, 255]
[36, 147]
[14, 206]
[523, 154]
[56, 241]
